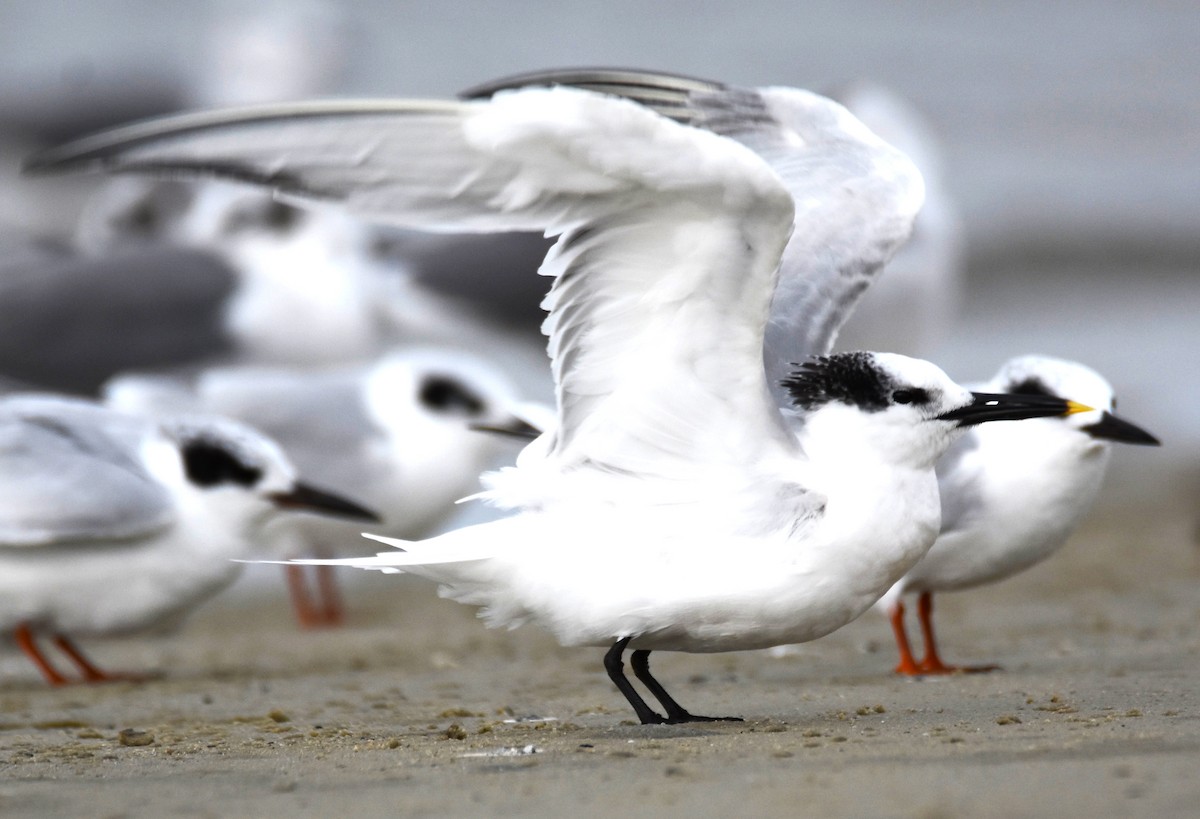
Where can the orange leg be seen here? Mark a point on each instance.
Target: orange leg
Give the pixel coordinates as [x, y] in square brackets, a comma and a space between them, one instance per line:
[307, 613]
[310, 613]
[907, 664]
[91, 672]
[932, 663]
[25, 642]
[331, 598]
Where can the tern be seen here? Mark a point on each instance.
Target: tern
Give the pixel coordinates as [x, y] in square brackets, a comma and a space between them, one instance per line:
[1011, 494]
[111, 523]
[400, 434]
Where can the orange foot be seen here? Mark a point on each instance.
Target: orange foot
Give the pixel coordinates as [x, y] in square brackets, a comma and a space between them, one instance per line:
[936, 666]
[931, 664]
[89, 671]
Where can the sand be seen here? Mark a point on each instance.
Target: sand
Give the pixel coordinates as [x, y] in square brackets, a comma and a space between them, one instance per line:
[417, 710]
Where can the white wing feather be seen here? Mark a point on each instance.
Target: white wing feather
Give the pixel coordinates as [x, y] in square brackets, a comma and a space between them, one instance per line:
[671, 239]
[856, 197]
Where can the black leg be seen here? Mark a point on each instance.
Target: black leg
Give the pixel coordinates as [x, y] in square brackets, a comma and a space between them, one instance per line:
[616, 673]
[640, 660]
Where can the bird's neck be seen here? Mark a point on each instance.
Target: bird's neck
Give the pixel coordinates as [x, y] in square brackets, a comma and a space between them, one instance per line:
[888, 508]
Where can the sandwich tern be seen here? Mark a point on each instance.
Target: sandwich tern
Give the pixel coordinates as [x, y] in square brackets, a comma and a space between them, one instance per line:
[700, 490]
[112, 523]
[1011, 494]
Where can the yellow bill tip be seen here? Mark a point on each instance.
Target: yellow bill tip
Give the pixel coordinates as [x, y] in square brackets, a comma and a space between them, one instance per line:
[1074, 407]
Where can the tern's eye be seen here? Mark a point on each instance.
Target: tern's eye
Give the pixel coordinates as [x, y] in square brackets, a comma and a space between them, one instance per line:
[445, 394]
[912, 396]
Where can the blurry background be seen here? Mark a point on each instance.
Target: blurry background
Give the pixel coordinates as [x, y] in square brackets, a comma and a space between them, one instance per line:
[1070, 136]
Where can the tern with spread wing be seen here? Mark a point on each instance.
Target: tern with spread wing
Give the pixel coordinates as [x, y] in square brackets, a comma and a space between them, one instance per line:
[689, 498]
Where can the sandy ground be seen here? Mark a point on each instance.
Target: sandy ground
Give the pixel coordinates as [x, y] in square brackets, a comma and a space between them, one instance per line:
[417, 710]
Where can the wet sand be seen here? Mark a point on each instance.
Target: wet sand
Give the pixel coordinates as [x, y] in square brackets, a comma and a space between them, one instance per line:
[418, 710]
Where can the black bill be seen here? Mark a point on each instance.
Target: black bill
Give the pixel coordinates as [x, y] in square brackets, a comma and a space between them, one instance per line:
[999, 406]
[1112, 428]
[306, 498]
[513, 427]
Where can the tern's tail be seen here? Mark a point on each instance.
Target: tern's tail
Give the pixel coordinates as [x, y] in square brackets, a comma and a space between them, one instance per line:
[408, 555]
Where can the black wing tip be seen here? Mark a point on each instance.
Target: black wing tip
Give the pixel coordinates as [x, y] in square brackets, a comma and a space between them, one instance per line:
[591, 77]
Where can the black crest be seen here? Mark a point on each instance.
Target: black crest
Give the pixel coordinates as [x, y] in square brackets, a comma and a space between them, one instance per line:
[208, 464]
[851, 378]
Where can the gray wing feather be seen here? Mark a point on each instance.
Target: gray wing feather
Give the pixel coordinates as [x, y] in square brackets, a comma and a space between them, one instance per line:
[667, 94]
[66, 479]
[398, 161]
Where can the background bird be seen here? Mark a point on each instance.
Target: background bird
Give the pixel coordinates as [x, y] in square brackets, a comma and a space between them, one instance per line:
[397, 433]
[310, 288]
[1011, 494]
[112, 523]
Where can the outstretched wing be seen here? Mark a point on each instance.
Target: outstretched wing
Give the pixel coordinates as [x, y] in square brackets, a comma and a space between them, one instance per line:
[855, 196]
[670, 241]
[69, 473]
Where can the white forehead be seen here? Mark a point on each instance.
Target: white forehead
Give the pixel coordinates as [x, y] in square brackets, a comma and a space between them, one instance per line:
[914, 371]
[409, 364]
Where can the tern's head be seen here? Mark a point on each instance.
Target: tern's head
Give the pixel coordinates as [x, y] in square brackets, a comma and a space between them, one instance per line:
[1043, 375]
[132, 212]
[907, 410]
[248, 226]
[239, 475]
[432, 402]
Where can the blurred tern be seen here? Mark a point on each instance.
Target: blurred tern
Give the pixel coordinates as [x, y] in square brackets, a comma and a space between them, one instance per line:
[312, 287]
[1011, 494]
[397, 434]
[674, 506]
[111, 523]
